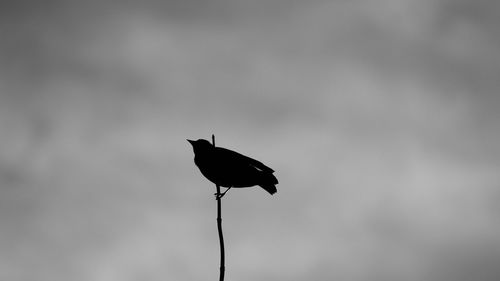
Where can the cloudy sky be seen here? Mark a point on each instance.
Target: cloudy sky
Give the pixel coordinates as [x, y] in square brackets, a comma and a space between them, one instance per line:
[380, 118]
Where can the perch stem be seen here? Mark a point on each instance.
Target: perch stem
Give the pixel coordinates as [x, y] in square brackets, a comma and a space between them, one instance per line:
[219, 228]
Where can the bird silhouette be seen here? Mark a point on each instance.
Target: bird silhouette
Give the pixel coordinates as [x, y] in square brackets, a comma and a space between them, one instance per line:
[229, 168]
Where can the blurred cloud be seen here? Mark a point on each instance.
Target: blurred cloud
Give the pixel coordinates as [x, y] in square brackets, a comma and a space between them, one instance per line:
[380, 119]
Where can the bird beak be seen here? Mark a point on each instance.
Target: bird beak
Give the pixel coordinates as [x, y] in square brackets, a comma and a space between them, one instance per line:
[190, 141]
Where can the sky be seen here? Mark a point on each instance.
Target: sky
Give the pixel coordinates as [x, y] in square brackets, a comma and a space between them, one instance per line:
[380, 119]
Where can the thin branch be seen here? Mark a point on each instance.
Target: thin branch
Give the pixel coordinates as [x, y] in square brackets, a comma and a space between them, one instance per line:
[219, 228]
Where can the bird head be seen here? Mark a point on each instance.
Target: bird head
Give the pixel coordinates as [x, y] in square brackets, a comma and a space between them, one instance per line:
[200, 146]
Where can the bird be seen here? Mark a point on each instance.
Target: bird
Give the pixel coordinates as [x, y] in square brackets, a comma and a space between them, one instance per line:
[229, 168]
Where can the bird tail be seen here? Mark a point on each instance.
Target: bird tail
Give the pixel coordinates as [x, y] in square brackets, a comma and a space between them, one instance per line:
[271, 188]
[269, 182]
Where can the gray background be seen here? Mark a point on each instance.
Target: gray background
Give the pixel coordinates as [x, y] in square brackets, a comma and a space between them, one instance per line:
[381, 119]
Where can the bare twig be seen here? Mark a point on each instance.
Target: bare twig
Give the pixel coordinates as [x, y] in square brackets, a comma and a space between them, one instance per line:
[219, 228]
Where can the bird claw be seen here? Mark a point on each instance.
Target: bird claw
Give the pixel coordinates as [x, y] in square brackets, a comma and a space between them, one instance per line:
[220, 195]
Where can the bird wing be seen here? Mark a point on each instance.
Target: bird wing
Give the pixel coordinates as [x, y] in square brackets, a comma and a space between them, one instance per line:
[231, 156]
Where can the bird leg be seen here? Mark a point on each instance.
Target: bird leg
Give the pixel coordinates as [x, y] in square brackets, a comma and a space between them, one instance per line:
[220, 195]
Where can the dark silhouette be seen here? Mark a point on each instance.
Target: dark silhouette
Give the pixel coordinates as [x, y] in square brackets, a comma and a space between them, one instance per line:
[229, 169]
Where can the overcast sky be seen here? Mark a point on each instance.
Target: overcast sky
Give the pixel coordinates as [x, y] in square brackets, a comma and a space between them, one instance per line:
[381, 119]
